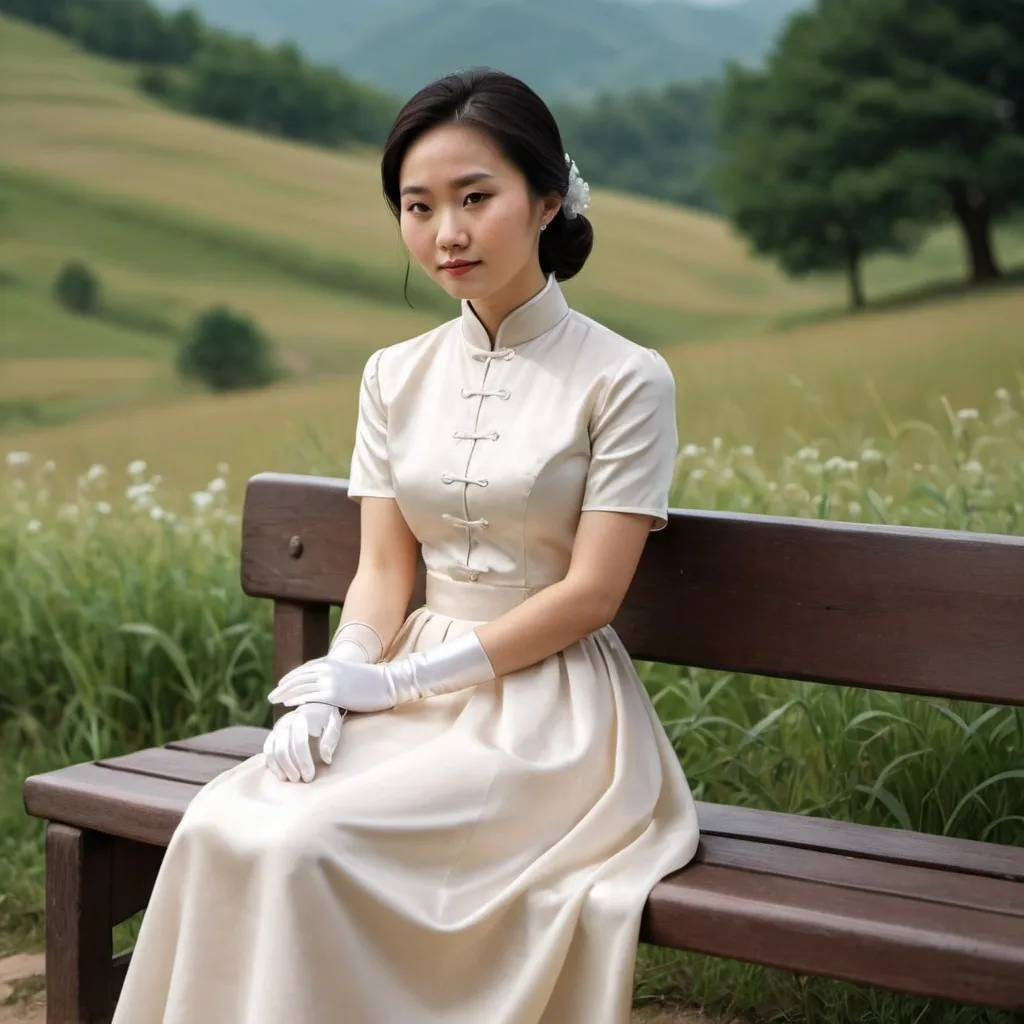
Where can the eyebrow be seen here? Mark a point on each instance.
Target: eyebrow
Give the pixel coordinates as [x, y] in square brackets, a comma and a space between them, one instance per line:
[455, 183]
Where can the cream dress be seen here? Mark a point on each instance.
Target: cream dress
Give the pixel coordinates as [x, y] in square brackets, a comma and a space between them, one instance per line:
[480, 857]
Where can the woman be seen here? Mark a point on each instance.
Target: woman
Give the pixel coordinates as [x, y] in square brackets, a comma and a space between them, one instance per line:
[495, 796]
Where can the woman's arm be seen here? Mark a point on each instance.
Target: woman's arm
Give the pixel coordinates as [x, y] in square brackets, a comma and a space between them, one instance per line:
[605, 554]
[381, 589]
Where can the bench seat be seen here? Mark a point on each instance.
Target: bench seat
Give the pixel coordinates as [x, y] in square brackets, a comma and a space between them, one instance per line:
[860, 903]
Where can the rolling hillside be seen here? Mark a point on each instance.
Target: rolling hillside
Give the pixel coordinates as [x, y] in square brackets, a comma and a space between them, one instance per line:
[176, 214]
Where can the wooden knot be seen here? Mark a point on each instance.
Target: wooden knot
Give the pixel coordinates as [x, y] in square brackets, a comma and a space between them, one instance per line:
[295, 547]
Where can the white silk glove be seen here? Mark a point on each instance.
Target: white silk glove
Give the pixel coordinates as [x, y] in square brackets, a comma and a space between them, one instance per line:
[451, 666]
[287, 749]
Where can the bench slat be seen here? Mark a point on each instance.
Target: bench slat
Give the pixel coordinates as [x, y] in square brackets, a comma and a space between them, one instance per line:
[237, 741]
[868, 938]
[176, 765]
[869, 841]
[976, 892]
[115, 802]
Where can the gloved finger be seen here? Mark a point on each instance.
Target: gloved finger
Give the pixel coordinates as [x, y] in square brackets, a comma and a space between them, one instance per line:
[270, 757]
[283, 749]
[330, 737]
[287, 684]
[320, 693]
[298, 749]
[308, 670]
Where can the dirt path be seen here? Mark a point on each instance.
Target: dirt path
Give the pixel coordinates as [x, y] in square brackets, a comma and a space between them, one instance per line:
[22, 1000]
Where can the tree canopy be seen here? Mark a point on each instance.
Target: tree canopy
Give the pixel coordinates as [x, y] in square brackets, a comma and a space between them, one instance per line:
[870, 122]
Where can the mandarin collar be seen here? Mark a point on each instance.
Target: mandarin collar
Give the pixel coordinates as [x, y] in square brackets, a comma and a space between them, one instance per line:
[533, 318]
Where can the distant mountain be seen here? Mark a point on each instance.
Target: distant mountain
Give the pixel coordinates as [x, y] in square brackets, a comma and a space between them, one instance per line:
[566, 49]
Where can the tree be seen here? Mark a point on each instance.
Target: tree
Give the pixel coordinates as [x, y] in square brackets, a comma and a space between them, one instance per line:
[785, 179]
[934, 91]
[77, 288]
[227, 351]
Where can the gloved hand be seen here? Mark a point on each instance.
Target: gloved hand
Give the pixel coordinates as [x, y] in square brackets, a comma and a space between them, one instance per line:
[287, 749]
[451, 666]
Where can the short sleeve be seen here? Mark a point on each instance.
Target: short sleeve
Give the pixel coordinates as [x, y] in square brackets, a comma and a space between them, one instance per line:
[634, 440]
[370, 473]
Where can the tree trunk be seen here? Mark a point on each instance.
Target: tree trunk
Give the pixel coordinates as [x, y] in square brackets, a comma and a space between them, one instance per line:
[976, 224]
[853, 274]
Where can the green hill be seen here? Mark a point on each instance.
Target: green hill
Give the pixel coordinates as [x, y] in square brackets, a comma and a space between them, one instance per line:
[175, 214]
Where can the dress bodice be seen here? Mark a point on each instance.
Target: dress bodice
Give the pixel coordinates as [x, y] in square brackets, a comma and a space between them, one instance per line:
[493, 453]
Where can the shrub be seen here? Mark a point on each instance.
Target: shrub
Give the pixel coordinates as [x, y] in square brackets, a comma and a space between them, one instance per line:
[227, 351]
[77, 288]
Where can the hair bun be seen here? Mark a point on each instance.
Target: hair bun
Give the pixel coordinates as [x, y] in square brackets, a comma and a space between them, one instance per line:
[565, 246]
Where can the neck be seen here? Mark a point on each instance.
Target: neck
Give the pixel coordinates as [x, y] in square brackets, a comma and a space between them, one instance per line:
[494, 308]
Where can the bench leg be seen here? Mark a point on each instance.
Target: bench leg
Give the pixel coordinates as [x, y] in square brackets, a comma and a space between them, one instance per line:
[79, 929]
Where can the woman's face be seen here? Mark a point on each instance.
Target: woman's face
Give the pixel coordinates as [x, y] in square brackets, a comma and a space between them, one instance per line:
[464, 203]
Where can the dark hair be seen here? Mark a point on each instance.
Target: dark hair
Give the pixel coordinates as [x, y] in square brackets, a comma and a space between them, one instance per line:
[524, 129]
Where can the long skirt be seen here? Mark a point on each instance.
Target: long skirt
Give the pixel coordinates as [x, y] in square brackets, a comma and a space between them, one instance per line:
[481, 857]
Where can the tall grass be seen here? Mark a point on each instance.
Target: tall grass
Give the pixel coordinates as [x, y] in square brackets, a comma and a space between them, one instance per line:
[124, 626]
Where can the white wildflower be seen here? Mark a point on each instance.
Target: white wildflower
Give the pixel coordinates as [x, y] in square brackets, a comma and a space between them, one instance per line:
[96, 472]
[726, 476]
[854, 508]
[1002, 394]
[871, 455]
[202, 499]
[156, 512]
[136, 467]
[967, 414]
[808, 454]
[103, 508]
[698, 475]
[68, 513]
[835, 464]
[217, 485]
[48, 466]
[33, 526]
[691, 451]
[18, 458]
[747, 451]
[139, 492]
[222, 469]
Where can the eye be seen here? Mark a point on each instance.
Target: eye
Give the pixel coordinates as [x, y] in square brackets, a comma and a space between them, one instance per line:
[411, 208]
[479, 196]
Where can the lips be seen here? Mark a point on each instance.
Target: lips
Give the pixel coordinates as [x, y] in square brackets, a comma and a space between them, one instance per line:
[456, 268]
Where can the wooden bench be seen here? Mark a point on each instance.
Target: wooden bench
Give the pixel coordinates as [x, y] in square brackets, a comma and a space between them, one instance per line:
[914, 611]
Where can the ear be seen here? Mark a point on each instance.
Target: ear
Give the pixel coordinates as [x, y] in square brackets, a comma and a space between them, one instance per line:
[550, 205]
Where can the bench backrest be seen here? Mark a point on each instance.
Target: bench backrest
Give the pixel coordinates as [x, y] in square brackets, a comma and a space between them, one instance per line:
[936, 612]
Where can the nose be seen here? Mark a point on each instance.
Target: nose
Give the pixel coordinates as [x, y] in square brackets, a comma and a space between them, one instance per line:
[450, 232]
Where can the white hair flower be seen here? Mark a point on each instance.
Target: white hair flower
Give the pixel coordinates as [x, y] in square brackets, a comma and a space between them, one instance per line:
[577, 198]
